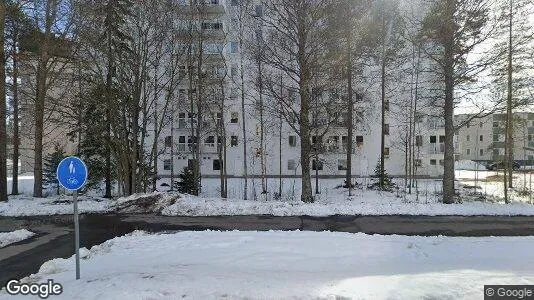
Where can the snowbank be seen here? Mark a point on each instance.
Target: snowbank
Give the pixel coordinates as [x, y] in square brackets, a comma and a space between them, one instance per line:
[8, 238]
[291, 265]
[59, 205]
[144, 203]
[366, 203]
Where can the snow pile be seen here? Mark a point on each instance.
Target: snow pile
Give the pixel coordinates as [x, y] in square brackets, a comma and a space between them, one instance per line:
[144, 203]
[292, 265]
[469, 165]
[8, 238]
[366, 203]
[59, 205]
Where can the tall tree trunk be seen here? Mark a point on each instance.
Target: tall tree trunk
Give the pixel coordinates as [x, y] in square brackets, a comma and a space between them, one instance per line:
[349, 121]
[109, 78]
[510, 119]
[172, 145]
[155, 142]
[383, 117]
[40, 97]
[305, 148]
[448, 68]
[244, 126]
[3, 108]
[262, 132]
[16, 138]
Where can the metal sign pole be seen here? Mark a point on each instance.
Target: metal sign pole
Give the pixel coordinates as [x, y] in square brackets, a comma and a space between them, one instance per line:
[72, 175]
[76, 233]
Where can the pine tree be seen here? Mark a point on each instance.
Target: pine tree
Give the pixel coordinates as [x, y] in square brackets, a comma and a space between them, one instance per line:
[51, 162]
[187, 183]
[384, 183]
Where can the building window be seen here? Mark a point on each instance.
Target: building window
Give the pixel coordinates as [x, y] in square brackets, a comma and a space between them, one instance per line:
[417, 163]
[359, 141]
[233, 141]
[386, 152]
[182, 123]
[496, 152]
[181, 143]
[292, 141]
[217, 164]
[341, 164]
[468, 152]
[234, 47]
[291, 164]
[530, 157]
[233, 70]
[234, 117]
[495, 124]
[234, 2]
[481, 152]
[259, 11]
[432, 139]
[210, 141]
[468, 137]
[495, 137]
[317, 165]
[167, 164]
[481, 138]
[441, 162]
[419, 141]
[386, 105]
[468, 124]
[481, 124]
[386, 129]
[530, 137]
[433, 162]
[441, 139]
[168, 141]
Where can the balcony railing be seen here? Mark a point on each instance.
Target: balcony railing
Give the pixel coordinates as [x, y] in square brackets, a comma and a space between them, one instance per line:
[436, 148]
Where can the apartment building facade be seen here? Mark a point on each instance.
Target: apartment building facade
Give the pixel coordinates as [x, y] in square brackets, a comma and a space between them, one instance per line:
[280, 145]
[482, 139]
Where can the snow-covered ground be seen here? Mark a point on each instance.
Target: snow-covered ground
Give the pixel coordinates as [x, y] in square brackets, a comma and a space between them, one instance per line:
[485, 199]
[363, 203]
[22, 205]
[291, 265]
[490, 184]
[8, 238]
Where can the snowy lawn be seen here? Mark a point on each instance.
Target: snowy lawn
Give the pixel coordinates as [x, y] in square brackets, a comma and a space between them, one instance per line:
[363, 203]
[8, 238]
[28, 206]
[291, 265]
[486, 199]
[490, 184]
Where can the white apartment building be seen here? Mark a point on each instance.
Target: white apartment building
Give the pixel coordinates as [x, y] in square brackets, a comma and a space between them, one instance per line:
[282, 145]
[482, 139]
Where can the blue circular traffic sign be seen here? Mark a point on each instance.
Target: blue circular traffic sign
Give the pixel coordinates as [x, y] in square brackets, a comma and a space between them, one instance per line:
[72, 173]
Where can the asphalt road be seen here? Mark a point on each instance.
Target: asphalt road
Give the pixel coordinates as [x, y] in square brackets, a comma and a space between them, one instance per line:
[55, 237]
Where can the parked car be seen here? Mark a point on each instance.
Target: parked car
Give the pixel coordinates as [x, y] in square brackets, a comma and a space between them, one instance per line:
[500, 166]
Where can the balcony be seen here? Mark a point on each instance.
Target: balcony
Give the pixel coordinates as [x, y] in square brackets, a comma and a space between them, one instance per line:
[436, 124]
[436, 148]
[208, 9]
